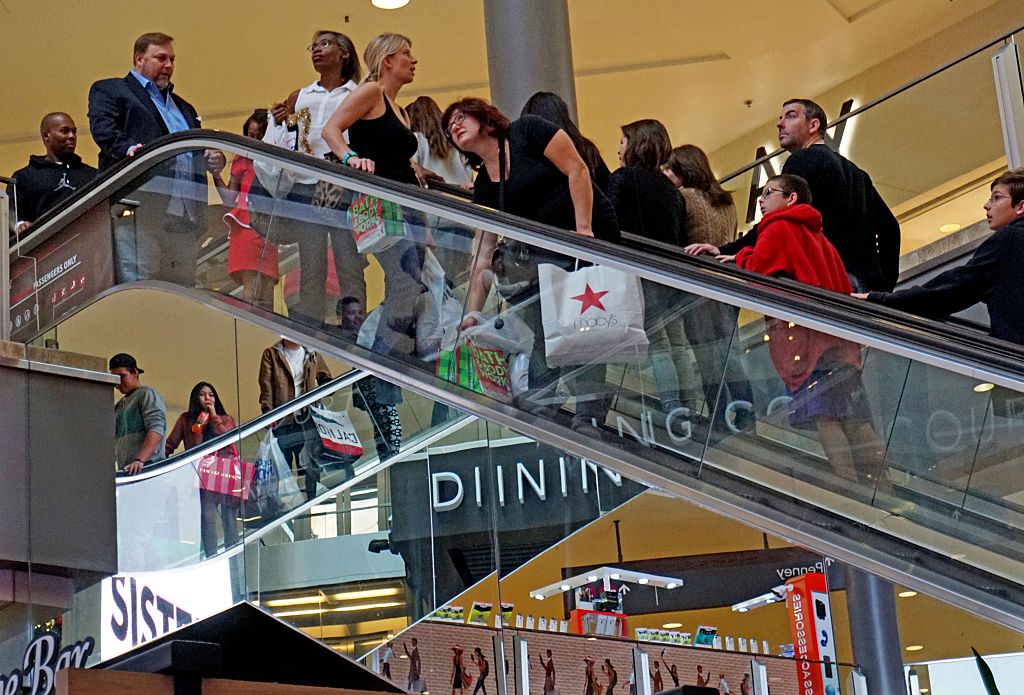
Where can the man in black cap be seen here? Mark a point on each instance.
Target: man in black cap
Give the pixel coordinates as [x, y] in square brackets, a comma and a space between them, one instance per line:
[140, 421]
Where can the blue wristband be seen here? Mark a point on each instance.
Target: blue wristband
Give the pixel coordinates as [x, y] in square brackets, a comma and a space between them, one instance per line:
[348, 155]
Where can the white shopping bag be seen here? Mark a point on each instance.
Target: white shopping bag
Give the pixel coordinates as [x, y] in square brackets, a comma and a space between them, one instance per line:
[337, 433]
[594, 315]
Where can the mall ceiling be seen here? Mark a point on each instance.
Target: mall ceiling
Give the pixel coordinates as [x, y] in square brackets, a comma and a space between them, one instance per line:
[693, 64]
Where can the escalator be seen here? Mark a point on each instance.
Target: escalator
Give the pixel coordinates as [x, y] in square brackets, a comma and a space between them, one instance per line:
[922, 485]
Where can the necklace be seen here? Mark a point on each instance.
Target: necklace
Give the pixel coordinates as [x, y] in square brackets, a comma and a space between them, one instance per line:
[301, 118]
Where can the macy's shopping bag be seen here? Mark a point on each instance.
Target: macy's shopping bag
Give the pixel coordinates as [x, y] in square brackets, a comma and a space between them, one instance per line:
[226, 474]
[376, 224]
[594, 315]
[337, 433]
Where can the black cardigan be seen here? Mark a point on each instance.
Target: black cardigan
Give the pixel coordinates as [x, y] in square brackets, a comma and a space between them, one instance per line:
[994, 275]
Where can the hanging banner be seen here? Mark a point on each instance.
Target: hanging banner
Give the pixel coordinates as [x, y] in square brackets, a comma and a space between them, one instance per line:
[810, 618]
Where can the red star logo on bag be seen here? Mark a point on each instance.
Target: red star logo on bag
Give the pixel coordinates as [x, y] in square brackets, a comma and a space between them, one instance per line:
[590, 298]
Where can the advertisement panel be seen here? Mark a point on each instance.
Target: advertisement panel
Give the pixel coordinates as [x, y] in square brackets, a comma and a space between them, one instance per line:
[810, 618]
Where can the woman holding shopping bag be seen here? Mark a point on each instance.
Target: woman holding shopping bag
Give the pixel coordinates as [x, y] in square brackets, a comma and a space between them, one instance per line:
[204, 420]
[530, 168]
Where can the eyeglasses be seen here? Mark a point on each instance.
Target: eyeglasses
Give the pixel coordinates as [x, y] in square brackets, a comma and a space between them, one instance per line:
[997, 197]
[457, 119]
[322, 43]
[768, 191]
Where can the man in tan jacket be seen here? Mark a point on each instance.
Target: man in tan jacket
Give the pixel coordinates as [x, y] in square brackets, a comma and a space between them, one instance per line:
[288, 370]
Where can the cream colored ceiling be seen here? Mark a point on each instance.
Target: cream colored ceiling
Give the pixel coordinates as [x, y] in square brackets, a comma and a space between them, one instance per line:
[690, 63]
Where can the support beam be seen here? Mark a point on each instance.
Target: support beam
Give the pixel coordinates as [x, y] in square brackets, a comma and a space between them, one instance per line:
[528, 50]
[875, 632]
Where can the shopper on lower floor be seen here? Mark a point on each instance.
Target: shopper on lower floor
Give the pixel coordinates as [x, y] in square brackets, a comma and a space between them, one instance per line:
[204, 420]
[140, 420]
[288, 370]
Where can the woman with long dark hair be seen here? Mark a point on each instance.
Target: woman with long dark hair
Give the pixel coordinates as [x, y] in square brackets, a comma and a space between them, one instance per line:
[648, 205]
[435, 156]
[531, 168]
[711, 219]
[710, 211]
[553, 108]
[204, 420]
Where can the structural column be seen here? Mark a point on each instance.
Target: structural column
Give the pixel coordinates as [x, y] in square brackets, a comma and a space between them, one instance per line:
[528, 50]
[875, 632]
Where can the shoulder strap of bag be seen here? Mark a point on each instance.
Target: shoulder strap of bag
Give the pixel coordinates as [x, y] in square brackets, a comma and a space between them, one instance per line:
[501, 173]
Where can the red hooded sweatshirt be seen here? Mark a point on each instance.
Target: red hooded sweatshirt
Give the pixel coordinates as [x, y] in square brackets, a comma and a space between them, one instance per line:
[790, 244]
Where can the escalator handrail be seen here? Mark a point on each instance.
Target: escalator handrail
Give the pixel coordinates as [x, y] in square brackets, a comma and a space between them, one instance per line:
[239, 433]
[943, 345]
[877, 101]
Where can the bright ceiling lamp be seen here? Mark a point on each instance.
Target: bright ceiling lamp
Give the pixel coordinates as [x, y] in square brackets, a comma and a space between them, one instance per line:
[389, 4]
[607, 574]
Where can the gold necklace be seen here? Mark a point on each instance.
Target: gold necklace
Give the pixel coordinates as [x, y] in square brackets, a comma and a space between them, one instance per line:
[303, 117]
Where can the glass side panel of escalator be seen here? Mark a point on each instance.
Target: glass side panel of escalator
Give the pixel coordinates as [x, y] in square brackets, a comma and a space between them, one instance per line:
[696, 387]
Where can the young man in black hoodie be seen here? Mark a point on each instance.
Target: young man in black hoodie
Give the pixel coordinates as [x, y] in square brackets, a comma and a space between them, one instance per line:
[50, 178]
[994, 274]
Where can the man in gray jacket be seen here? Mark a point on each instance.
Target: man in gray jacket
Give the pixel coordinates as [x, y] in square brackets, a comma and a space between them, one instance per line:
[140, 420]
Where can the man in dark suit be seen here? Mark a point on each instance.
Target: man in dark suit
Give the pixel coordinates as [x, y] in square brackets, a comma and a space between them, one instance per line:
[160, 238]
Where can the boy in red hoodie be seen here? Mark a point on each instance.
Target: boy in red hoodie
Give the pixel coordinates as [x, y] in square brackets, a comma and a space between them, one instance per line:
[821, 372]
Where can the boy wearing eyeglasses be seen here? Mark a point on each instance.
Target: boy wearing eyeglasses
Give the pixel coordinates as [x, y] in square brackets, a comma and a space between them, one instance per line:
[994, 275]
[821, 372]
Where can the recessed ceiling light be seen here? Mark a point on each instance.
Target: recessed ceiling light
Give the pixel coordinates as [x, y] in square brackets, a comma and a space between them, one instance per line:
[539, 597]
[949, 228]
[565, 587]
[389, 4]
[915, 648]
[671, 585]
[671, 626]
[642, 580]
[984, 387]
[907, 594]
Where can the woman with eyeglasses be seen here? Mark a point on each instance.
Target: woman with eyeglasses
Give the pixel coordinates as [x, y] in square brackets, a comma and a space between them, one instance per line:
[544, 179]
[334, 58]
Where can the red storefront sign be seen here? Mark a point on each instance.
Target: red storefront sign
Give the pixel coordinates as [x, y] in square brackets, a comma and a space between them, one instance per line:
[810, 618]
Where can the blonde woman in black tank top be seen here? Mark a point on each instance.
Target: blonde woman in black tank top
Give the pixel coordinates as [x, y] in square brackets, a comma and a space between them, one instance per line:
[381, 143]
[375, 122]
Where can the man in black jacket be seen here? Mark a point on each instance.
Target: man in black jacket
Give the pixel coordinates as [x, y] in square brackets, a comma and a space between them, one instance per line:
[853, 215]
[127, 113]
[994, 275]
[50, 178]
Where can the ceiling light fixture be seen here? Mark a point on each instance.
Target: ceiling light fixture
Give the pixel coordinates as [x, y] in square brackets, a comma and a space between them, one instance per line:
[671, 626]
[389, 4]
[949, 228]
[907, 594]
[607, 575]
[984, 387]
[915, 648]
[776, 595]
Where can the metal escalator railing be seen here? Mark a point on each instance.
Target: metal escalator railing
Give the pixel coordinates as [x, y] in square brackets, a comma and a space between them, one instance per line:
[907, 493]
[191, 456]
